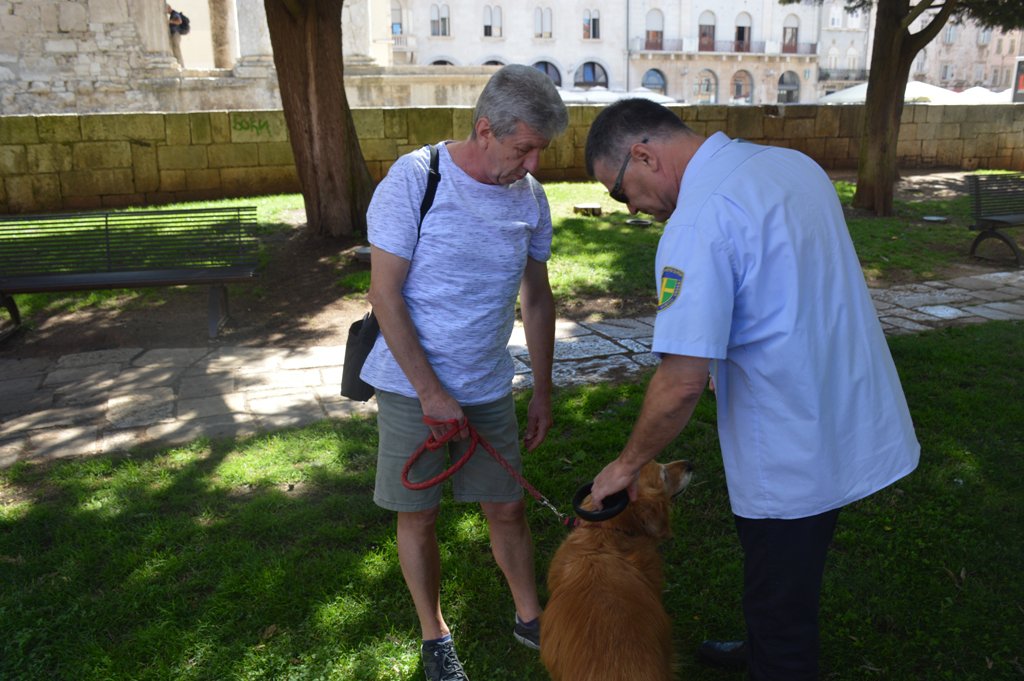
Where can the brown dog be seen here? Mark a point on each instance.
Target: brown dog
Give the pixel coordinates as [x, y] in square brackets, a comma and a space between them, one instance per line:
[604, 620]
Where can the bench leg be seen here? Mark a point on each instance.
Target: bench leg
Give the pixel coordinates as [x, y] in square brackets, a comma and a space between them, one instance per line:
[218, 314]
[1005, 238]
[12, 309]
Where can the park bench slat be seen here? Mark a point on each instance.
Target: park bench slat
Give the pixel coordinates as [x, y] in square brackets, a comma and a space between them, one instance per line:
[126, 249]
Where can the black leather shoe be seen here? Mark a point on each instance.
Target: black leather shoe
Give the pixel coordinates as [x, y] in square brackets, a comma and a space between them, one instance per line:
[725, 654]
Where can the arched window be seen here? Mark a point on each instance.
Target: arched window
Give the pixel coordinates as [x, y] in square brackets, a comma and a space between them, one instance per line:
[835, 16]
[542, 22]
[439, 20]
[852, 57]
[705, 90]
[743, 29]
[654, 80]
[551, 70]
[494, 62]
[655, 30]
[789, 88]
[790, 34]
[590, 74]
[441, 62]
[591, 24]
[706, 42]
[492, 21]
[742, 91]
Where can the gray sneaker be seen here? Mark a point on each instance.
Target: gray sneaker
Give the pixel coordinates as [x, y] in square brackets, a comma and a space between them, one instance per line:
[528, 633]
[440, 663]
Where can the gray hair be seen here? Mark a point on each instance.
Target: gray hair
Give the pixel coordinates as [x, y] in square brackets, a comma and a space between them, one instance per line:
[624, 123]
[521, 94]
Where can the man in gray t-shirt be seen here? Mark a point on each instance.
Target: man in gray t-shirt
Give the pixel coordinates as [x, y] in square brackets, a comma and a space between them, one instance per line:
[444, 292]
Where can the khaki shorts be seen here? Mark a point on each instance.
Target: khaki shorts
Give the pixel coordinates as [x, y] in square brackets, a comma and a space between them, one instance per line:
[402, 431]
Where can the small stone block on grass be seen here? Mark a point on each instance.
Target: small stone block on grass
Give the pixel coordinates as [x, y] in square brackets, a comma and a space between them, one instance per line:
[591, 209]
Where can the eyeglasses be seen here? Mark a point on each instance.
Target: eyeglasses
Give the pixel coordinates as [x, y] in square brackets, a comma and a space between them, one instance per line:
[616, 190]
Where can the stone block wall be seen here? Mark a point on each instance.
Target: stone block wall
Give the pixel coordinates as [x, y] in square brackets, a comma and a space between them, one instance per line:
[82, 162]
[92, 161]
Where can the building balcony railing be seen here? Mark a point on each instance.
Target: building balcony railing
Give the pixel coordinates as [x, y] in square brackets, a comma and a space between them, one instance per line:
[752, 46]
[402, 43]
[843, 74]
[657, 43]
[799, 48]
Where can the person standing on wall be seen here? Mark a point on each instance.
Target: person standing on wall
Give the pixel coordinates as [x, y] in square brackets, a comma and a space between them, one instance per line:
[179, 25]
[445, 299]
[760, 287]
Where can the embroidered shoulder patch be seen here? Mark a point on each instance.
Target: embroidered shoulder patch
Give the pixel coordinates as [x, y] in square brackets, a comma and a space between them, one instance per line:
[671, 285]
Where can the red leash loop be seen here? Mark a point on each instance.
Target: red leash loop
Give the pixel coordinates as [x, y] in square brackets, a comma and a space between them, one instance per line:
[433, 444]
[455, 426]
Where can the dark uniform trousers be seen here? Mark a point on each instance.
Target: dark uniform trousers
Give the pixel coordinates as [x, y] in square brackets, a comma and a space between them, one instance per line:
[784, 561]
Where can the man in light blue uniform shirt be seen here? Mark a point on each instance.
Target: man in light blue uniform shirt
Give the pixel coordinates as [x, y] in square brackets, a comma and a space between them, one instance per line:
[759, 285]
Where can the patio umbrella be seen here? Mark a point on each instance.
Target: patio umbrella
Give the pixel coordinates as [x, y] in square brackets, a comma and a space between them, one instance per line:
[916, 91]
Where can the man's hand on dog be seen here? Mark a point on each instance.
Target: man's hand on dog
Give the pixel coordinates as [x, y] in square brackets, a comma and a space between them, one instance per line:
[615, 476]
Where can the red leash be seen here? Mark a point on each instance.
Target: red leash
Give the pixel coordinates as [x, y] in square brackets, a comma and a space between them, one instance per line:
[454, 427]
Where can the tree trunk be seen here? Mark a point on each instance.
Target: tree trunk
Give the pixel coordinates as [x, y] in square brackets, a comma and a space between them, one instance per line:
[893, 53]
[878, 170]
[336, 185]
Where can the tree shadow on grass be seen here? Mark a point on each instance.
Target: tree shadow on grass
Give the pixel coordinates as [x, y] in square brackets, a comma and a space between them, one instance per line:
[208, 562]
[153, 567]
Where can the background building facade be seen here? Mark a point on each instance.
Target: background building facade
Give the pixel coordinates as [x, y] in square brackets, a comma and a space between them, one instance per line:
[115, 55]
[967, 55]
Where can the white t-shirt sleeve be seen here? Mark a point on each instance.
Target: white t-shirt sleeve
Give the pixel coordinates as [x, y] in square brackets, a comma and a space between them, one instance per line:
[393, 217]
[540, 240]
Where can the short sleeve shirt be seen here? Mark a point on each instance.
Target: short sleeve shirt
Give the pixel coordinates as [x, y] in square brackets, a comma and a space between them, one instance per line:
[465, 270]
[756, 270]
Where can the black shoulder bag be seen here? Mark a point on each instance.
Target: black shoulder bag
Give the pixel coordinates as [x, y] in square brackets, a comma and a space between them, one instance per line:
[362, 335]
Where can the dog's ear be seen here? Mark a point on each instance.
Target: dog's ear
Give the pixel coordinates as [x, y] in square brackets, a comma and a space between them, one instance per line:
[655, 514]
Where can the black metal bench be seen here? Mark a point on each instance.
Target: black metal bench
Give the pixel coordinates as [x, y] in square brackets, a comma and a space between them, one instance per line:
[998, 202]
[128, 249]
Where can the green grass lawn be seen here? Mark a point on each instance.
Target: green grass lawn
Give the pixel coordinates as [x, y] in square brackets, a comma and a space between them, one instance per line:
[266, 558]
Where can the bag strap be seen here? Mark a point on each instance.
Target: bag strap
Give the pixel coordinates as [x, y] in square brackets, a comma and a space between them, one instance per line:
[433, 179]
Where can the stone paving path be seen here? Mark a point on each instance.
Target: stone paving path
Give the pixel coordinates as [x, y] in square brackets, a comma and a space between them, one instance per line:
[113, 400]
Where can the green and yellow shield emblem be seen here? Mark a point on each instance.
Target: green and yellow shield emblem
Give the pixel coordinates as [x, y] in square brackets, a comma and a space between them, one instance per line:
[671, 285]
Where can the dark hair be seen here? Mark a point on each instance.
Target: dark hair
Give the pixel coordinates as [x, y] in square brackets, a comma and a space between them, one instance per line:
[626, 122]
[521, 94]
